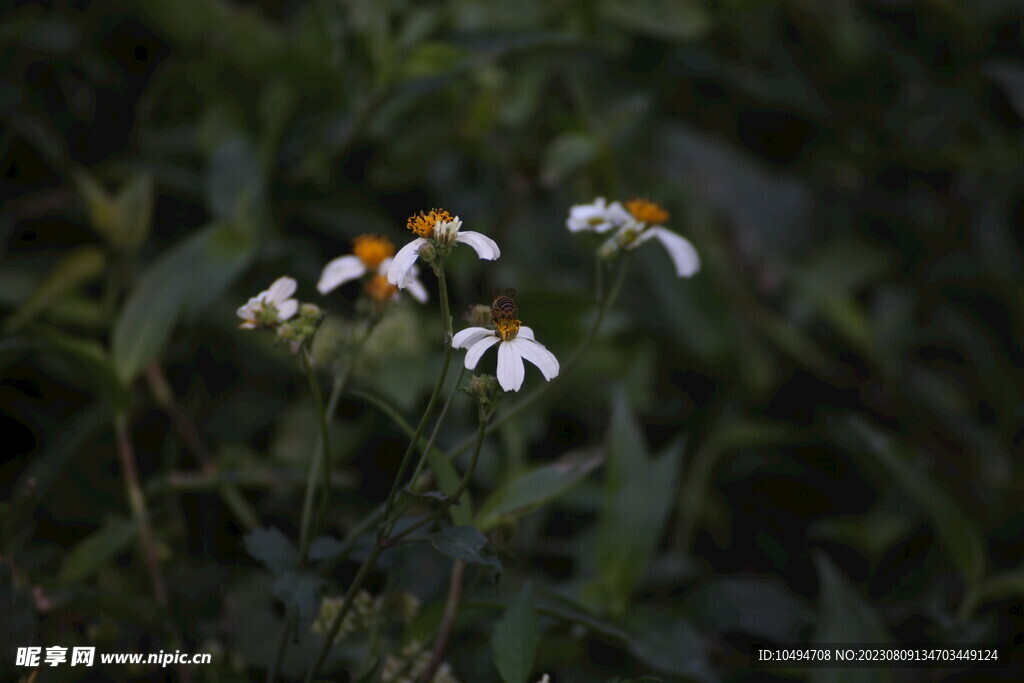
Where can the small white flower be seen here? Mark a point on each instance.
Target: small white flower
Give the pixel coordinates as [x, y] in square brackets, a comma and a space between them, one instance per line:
[271, 306]
[515, 343]
[370, 254]
[597, 217]
[440, 227]
[643, 226]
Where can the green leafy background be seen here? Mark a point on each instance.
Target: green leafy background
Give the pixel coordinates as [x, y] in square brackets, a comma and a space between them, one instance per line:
[816, 439]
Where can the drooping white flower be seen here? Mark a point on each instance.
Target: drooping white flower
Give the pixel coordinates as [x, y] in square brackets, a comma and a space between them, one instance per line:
[643, 225]
[370, 254]
[515, 343]
[597, 217]
[270, 307]
[441, 229]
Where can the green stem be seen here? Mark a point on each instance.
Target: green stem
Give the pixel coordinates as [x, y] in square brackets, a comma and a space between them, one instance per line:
[446, 324]
[379, 547]
[320, 455]
[279, 649]
[437, 428]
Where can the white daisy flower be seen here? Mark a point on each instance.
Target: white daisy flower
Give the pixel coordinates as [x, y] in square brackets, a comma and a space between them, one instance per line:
[370, 254]
[437, 227]
[515, 343]
[645, 216]
[271, 306]
[597, 217]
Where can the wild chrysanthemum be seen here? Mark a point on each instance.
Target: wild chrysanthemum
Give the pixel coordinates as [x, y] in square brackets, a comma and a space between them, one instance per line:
[515, 342]
[271, 307]
[441, 231]
[646, 216]
[597, 217]
[370, 254]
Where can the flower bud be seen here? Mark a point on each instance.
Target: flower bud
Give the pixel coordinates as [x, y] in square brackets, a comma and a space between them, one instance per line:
[487, 392]
[478, 315]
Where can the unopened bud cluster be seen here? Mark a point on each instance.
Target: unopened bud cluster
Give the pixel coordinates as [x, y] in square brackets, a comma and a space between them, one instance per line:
[486, 391]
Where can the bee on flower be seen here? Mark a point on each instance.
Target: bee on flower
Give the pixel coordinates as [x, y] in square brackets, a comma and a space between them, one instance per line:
[515, 341]
[271, 307]
[437, 232]
[374, 255]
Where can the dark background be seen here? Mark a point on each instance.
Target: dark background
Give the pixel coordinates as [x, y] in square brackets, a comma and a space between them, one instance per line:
[836, 396]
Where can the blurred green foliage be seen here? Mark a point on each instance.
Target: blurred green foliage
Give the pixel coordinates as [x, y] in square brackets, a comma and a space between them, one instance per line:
[816, 439]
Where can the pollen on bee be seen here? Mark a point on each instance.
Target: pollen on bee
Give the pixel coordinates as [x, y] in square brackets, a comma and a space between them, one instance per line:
[507, 328]
[372, 250]
[423, 223]
[647, 211]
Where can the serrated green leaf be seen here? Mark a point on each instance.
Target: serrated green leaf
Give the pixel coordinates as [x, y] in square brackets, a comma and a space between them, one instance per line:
[531, 490]
[78, 267]
[271, 547]
[467, 544]
[514, 641]
[90, 554]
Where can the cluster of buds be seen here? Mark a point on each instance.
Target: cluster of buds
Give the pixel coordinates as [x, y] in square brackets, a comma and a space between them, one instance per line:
[410, 664]
[365, 612]
[302, 328]
[486, 391]
[275, 309]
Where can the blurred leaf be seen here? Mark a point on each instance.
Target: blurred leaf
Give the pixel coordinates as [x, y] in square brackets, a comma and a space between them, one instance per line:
[325, 548]
[92, 364]
[639, 495]
[949, 523]
[234, 177]
[515, 636]
[1005, 586]
[1010, 76]
[433, 59]
[467, 544]
[79, 266]
[845, 617]
[300, 591]
[669, 643]
[91, 553]
[135, 212]
[531, 490]
[753, 605]
[667, 19]
[568, 154]
[185, 279]
[272, 548]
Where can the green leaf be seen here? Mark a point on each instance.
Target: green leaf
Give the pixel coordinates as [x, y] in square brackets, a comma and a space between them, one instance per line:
[568, 154]
[90, 554]
[845, 617]
[186, 278]
[78, 267]
[271, 547]
[668, 19]
[467, 544]
[325, 548]
[639, 495]
[514, 641]
[957, 532]
[531, 490]
[669, 643]
[89, 362]
[234, 177]
[134, 213]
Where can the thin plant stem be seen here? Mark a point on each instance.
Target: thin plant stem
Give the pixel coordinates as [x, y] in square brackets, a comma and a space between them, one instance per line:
[446, 324]
[379, 547]
[437, 428]
[137, 501]
[321, 455]
[280, 648]
[444, 629]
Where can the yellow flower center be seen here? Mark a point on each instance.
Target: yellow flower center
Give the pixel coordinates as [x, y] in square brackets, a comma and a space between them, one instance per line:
[372, 250]
[423, 223]
[508, 328]
[379, 289]
[646, 211]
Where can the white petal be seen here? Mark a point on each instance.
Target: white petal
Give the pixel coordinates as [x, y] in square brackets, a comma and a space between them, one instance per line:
[339, 271]
[485, 247]
[248, 311]
[282, 288]
[477, 350]
[248, 325]
[617, 216]
[525, 333]
[403, 262]
[469, 336]
[683, 254]
[287, 309]
[416, 288]
[538, 355]
[510, 368]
